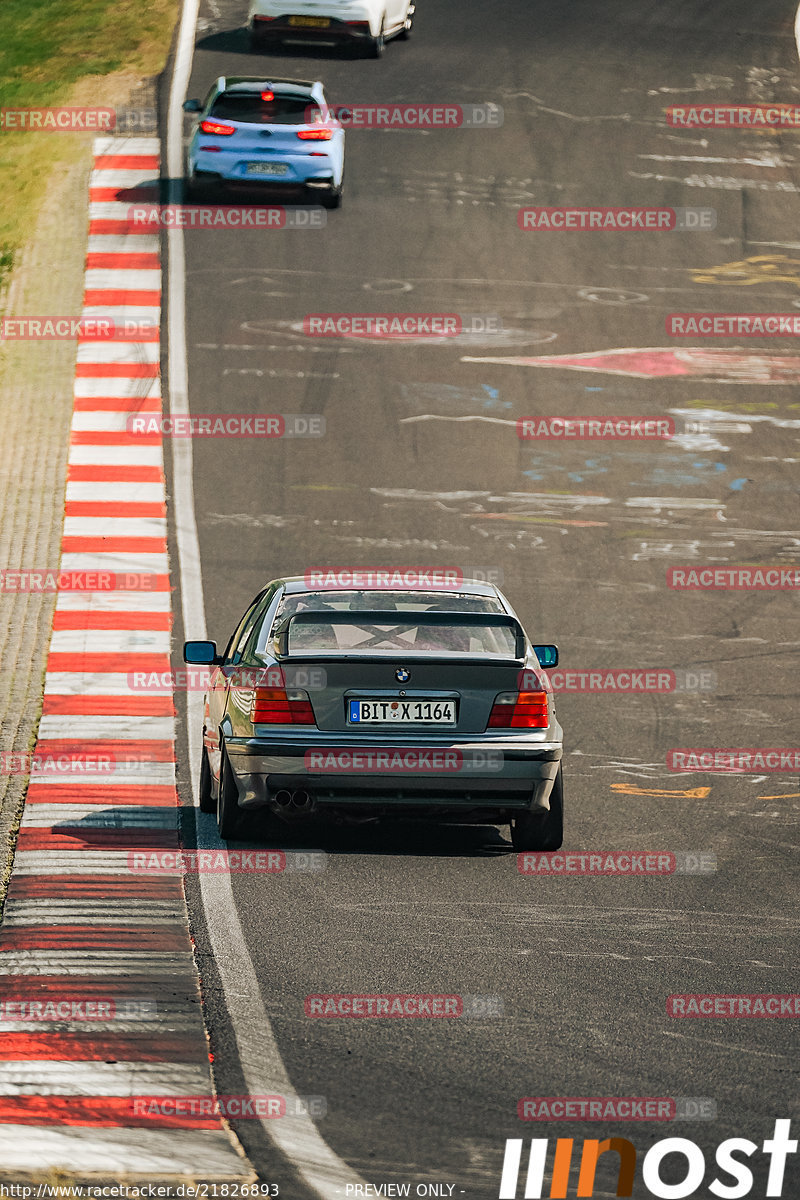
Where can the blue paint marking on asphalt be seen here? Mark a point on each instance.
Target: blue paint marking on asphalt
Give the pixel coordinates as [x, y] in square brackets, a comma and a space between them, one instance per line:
[738, 484]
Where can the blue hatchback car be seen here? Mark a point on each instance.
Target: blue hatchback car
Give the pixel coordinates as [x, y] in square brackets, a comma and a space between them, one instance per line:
[275, 132]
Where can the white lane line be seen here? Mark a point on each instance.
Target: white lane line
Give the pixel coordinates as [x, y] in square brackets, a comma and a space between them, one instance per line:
[142, 314]
[135, 279]
[123, 816]
[87, 387]
[157, 963]
[113, 493]
[64, 725]
[122, 177]
[263, 1069]
[43, 1077]
[110, 641]
[115, 561]
[202, 1153]
[100, 683]
[120, 243]
[110, 421]
[119, 526]
[118, 352]
[131, 455]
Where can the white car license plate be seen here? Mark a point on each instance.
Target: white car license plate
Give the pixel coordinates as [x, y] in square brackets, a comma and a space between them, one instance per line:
[310, 22]
[266, 168]
[401, 712]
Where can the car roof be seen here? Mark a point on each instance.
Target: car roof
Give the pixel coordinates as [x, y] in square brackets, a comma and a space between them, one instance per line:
[295, 584]
[254, 85]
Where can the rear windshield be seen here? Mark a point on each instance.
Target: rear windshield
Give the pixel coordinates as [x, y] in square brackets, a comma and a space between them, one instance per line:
[400, 635]
[283, 110]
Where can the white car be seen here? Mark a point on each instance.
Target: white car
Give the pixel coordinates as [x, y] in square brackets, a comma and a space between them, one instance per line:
[330, 22]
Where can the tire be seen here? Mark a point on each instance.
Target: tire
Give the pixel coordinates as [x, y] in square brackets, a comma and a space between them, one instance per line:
[205, 795]
[542, 831]
[256, 43]
[332, 199]
[229, 818]
[378, 44]
[405, 33]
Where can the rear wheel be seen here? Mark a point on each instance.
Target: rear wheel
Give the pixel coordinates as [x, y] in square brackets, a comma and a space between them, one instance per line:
[542, 831]
[205, 796]
[229, 817]
[378, 44]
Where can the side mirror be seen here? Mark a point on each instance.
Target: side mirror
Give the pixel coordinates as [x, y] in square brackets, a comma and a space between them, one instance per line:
[192, 106]
[201, 654]
[547, 656]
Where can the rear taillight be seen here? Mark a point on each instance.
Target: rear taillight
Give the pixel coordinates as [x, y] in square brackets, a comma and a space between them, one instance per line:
[520, 710]
[215, 127]
[315, 135]
[281, 706]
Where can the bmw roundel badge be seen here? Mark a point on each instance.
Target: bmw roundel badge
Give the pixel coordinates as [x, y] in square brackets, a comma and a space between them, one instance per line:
[402, 675]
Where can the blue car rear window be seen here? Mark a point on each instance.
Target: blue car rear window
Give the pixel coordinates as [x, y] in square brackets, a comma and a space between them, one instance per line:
[283, 110]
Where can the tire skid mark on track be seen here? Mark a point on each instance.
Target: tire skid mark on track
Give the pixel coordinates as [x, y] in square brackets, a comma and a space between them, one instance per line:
[79, 926]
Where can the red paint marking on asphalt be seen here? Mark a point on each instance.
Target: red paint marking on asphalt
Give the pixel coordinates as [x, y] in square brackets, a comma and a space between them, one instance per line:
[99, 1111]
[140, 193]
[132, 298]
[95, 1047]
[106, 663]
[91, 887]
[732, 366]
[109, 706]
[152, 749]
[161, 939]
[117, 437]
[124, 508]
[114, 474]
[74, 544]
[132, 404]
[87, 837]
[123, 370]
[126, 260]
[116, 227]
[125, 162]
[93, 618]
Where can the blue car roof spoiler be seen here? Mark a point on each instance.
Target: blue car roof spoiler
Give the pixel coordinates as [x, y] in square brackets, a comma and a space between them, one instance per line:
[408, 618]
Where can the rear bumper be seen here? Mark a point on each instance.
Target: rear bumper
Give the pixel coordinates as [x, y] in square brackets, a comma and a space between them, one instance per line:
[302, 170]
[468, 782]
[333, 34]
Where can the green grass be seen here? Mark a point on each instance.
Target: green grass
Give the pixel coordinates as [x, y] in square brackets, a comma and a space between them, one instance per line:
[66, 52]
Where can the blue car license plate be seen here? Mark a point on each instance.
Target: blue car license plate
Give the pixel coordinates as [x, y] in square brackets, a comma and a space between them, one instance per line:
[402, 712]
[266, 168]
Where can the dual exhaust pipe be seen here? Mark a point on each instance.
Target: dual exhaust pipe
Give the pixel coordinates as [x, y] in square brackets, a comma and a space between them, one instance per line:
[299, 800]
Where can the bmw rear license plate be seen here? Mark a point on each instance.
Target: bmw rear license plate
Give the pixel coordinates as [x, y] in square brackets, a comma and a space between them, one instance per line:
[401, 712]
[310, 22]
[266, 168]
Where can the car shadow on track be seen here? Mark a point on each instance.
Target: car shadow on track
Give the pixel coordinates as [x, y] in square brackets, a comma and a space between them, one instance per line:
[421, 839]
[237, 41]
